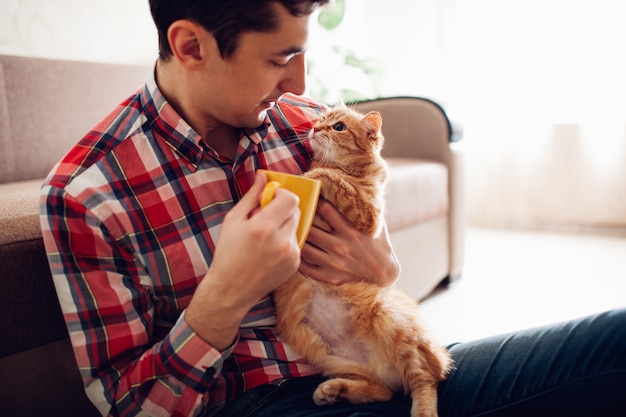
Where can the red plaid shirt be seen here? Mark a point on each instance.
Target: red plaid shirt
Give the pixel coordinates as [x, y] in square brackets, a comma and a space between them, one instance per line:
[130, 219]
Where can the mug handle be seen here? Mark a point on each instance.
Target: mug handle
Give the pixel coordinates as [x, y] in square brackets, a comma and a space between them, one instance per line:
[268, 192]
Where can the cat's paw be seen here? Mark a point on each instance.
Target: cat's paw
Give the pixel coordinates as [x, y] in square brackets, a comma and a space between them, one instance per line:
[425, 407]
[417, 411]
[328, 392]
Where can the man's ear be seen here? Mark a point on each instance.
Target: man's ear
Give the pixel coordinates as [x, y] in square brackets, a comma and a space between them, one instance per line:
[185, 38]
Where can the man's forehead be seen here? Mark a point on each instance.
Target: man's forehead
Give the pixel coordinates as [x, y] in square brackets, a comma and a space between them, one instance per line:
[291, 36]
[276, 43]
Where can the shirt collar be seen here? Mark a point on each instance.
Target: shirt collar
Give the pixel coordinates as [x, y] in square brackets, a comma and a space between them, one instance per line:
[176, 131]
[257, 134]
[169, 125]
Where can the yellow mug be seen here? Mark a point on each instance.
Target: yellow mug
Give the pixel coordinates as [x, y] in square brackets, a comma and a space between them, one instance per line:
[307, 189]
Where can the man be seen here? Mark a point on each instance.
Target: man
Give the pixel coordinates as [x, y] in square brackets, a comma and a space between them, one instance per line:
[164, 265]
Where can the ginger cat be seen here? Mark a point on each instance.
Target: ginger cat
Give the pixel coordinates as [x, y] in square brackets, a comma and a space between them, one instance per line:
[368, 340]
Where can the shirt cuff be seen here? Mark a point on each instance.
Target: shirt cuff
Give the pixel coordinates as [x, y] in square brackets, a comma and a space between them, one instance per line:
[190, 359]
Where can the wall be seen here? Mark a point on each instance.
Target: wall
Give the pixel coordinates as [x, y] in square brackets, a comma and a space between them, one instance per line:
[538, 85]
[540, 89]
[118, 31]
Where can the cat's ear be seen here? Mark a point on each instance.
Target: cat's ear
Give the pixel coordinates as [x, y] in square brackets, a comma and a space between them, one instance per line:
[372, 122]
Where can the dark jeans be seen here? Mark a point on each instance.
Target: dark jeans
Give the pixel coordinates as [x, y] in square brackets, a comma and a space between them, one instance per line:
[576, 368]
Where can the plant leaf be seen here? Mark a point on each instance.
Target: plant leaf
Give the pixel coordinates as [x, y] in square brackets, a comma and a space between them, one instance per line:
[332, 15]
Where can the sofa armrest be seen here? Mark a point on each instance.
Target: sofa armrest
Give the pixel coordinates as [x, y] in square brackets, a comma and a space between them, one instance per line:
[419, 128]
[414, 127]
[457, 218]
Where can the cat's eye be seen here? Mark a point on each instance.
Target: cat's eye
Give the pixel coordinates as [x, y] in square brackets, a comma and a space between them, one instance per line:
[339, 127]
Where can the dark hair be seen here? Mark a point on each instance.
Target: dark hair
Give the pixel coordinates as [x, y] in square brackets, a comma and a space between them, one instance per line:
[226, 19]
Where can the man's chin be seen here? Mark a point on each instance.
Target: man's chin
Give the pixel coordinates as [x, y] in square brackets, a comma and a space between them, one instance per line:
[258, 117]
[261, 117]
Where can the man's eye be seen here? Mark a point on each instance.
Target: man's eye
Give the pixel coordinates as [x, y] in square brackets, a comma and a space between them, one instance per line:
[339, 127]
[280, 64]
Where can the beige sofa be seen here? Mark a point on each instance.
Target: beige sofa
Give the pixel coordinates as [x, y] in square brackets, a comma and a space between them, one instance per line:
[47, 105]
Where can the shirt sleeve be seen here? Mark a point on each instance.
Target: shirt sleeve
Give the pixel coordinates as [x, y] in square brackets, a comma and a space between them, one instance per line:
[109, 312]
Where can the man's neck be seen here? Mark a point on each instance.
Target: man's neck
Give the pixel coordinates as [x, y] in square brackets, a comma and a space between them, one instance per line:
[224, 140]
[221, 138]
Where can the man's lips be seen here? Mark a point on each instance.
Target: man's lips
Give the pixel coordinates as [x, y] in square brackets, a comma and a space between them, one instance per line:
[268, 104]
[271, 101]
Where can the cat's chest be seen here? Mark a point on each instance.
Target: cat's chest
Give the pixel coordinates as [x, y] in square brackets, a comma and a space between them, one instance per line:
[331, 318]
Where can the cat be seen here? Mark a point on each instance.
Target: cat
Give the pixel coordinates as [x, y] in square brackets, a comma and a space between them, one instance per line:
[368, 340]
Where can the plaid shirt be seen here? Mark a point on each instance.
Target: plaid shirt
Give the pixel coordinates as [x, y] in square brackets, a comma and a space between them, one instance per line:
[130, 218]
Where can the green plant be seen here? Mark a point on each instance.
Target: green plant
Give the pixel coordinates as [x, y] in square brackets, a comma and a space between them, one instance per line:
[332, 15]
[337, 72]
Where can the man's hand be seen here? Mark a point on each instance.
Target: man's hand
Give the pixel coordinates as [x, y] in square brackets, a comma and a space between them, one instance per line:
[255, 253]
[345, 254]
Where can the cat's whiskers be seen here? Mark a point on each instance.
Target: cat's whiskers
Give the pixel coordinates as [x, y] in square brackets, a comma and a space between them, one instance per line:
[322, 155]
[325, 157]
[368, 341]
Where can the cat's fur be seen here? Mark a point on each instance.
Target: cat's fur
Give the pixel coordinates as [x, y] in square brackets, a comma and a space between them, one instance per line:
[368, 340]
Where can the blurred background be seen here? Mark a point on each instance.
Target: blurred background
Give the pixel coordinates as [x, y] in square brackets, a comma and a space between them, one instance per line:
[538, 85]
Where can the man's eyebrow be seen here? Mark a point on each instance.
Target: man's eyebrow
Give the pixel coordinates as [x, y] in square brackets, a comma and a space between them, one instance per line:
[294, 50]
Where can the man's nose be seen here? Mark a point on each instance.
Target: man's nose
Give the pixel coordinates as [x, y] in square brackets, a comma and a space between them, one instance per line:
[295, 76]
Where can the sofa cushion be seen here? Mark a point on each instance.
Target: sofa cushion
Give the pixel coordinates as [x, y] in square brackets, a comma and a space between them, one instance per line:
[30, 312]
[417, 191]
[43, 381]
[52, 105]
[19, 211]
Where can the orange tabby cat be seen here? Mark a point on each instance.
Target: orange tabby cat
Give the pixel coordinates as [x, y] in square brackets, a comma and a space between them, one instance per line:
[368, 340]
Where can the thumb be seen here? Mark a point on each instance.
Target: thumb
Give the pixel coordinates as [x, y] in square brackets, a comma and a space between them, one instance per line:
[250, 200]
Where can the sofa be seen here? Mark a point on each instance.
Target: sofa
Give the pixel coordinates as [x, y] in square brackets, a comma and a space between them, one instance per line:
[47, 105]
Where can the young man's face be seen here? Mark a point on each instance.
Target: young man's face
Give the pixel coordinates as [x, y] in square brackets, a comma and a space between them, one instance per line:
[263, 67]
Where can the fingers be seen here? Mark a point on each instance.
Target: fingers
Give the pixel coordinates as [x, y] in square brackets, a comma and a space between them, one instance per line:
[333, 274]
[312, 251]
[282, 210]
[329, 213]
[322, 260]
[337, 255]
[268, 192]
[251, 200]
[279, 209]
[268, 238]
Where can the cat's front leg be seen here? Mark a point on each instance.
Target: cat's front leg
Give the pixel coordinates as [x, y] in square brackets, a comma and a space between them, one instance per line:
[424, 401]
[356, 391]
